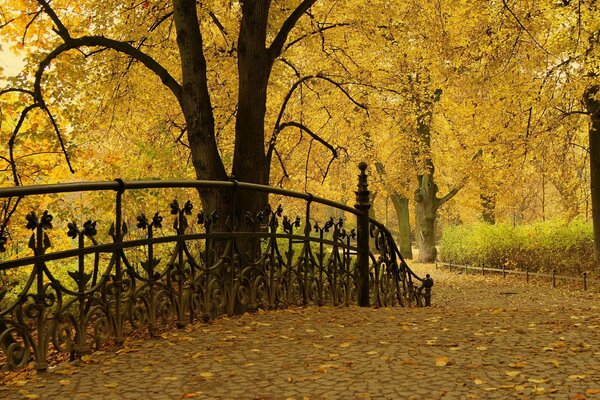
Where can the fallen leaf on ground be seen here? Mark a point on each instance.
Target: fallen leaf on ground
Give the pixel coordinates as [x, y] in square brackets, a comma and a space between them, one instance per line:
[441, 361]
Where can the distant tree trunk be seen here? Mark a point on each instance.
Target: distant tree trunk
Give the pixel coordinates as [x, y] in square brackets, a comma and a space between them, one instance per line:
[593, 106]
[426, 201]
[402, 213]
[488, 208]
[426, 214]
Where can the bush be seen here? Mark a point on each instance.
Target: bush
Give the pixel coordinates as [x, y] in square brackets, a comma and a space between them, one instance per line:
[542, 246]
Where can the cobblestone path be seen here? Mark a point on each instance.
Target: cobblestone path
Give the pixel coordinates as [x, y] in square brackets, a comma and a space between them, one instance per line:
[484, 338]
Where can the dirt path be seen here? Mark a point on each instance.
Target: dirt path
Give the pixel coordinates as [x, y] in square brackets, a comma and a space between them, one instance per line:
[484, 338]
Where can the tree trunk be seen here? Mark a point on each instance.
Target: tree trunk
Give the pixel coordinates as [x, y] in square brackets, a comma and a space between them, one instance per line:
[426, 213]
[488, 208]
[593, 106]
[254, 67]
[401, 207]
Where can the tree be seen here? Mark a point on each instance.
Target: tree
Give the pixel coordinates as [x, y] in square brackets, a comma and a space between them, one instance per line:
[140, 33]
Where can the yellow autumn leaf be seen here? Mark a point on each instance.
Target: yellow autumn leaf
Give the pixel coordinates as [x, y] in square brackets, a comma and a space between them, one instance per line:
[326, 367]
[533, 380]
[345, 345]
[513, 374]
[206, 375]
[577, 377]
[538, 391]
[441, 361]
[111, 384]
[520, 364]
[478, 381]
[481, 348]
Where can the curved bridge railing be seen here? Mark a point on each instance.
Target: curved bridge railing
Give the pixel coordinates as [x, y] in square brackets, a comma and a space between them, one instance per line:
[84, 293]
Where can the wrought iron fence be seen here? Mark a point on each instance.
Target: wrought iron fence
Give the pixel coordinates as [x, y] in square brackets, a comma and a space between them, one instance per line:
[194, 273]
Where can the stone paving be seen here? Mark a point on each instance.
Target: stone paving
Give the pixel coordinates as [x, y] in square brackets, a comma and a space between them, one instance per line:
[484, 338]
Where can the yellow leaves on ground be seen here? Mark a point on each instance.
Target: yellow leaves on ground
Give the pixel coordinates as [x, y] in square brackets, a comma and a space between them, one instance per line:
[111, 385]
[345, 345]
[577, 377]
[512, 374]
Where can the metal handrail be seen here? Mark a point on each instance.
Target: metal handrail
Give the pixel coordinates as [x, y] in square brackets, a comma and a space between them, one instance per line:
[584, 275]
[199, 284]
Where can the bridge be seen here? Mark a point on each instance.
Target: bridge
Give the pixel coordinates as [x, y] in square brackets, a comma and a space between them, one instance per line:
[77, 289]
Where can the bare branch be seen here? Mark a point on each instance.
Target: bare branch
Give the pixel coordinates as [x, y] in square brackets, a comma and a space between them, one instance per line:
[60, 139]
[287, 98]
[60, 29]
[121, 47]
[18, 90]
[37, 14]
[13, 137]
[6, 23]
[317, 32]
[440, 201]
[219, 26]
[311, 133]
[524, 28]
[277, 45]
[159, 21]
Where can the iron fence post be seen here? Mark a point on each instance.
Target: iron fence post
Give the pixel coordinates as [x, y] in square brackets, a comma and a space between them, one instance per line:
[362, 242]
[585, 281]
[553, 278]
[119, 318]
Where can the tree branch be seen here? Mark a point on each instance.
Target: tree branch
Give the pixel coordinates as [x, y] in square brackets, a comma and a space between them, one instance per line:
[60, 29]
[318, 31]
[219, 26]
[287, 98]
[440, 201]
[279, 41]
[121, 47]
[524, 28]
[311, 133]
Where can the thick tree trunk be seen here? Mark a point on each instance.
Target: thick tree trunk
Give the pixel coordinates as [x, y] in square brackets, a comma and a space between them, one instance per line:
[593, 106]
[402, 213]
[196, 105]
[426, 213]
[254, 67]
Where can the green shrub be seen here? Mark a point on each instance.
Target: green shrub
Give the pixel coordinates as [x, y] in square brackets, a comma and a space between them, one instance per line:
[566, 247]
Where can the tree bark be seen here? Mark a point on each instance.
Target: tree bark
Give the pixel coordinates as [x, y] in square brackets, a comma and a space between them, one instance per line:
[488, 208]
[402, 213]
[592, 104]
[254, 67]
[426, 213]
